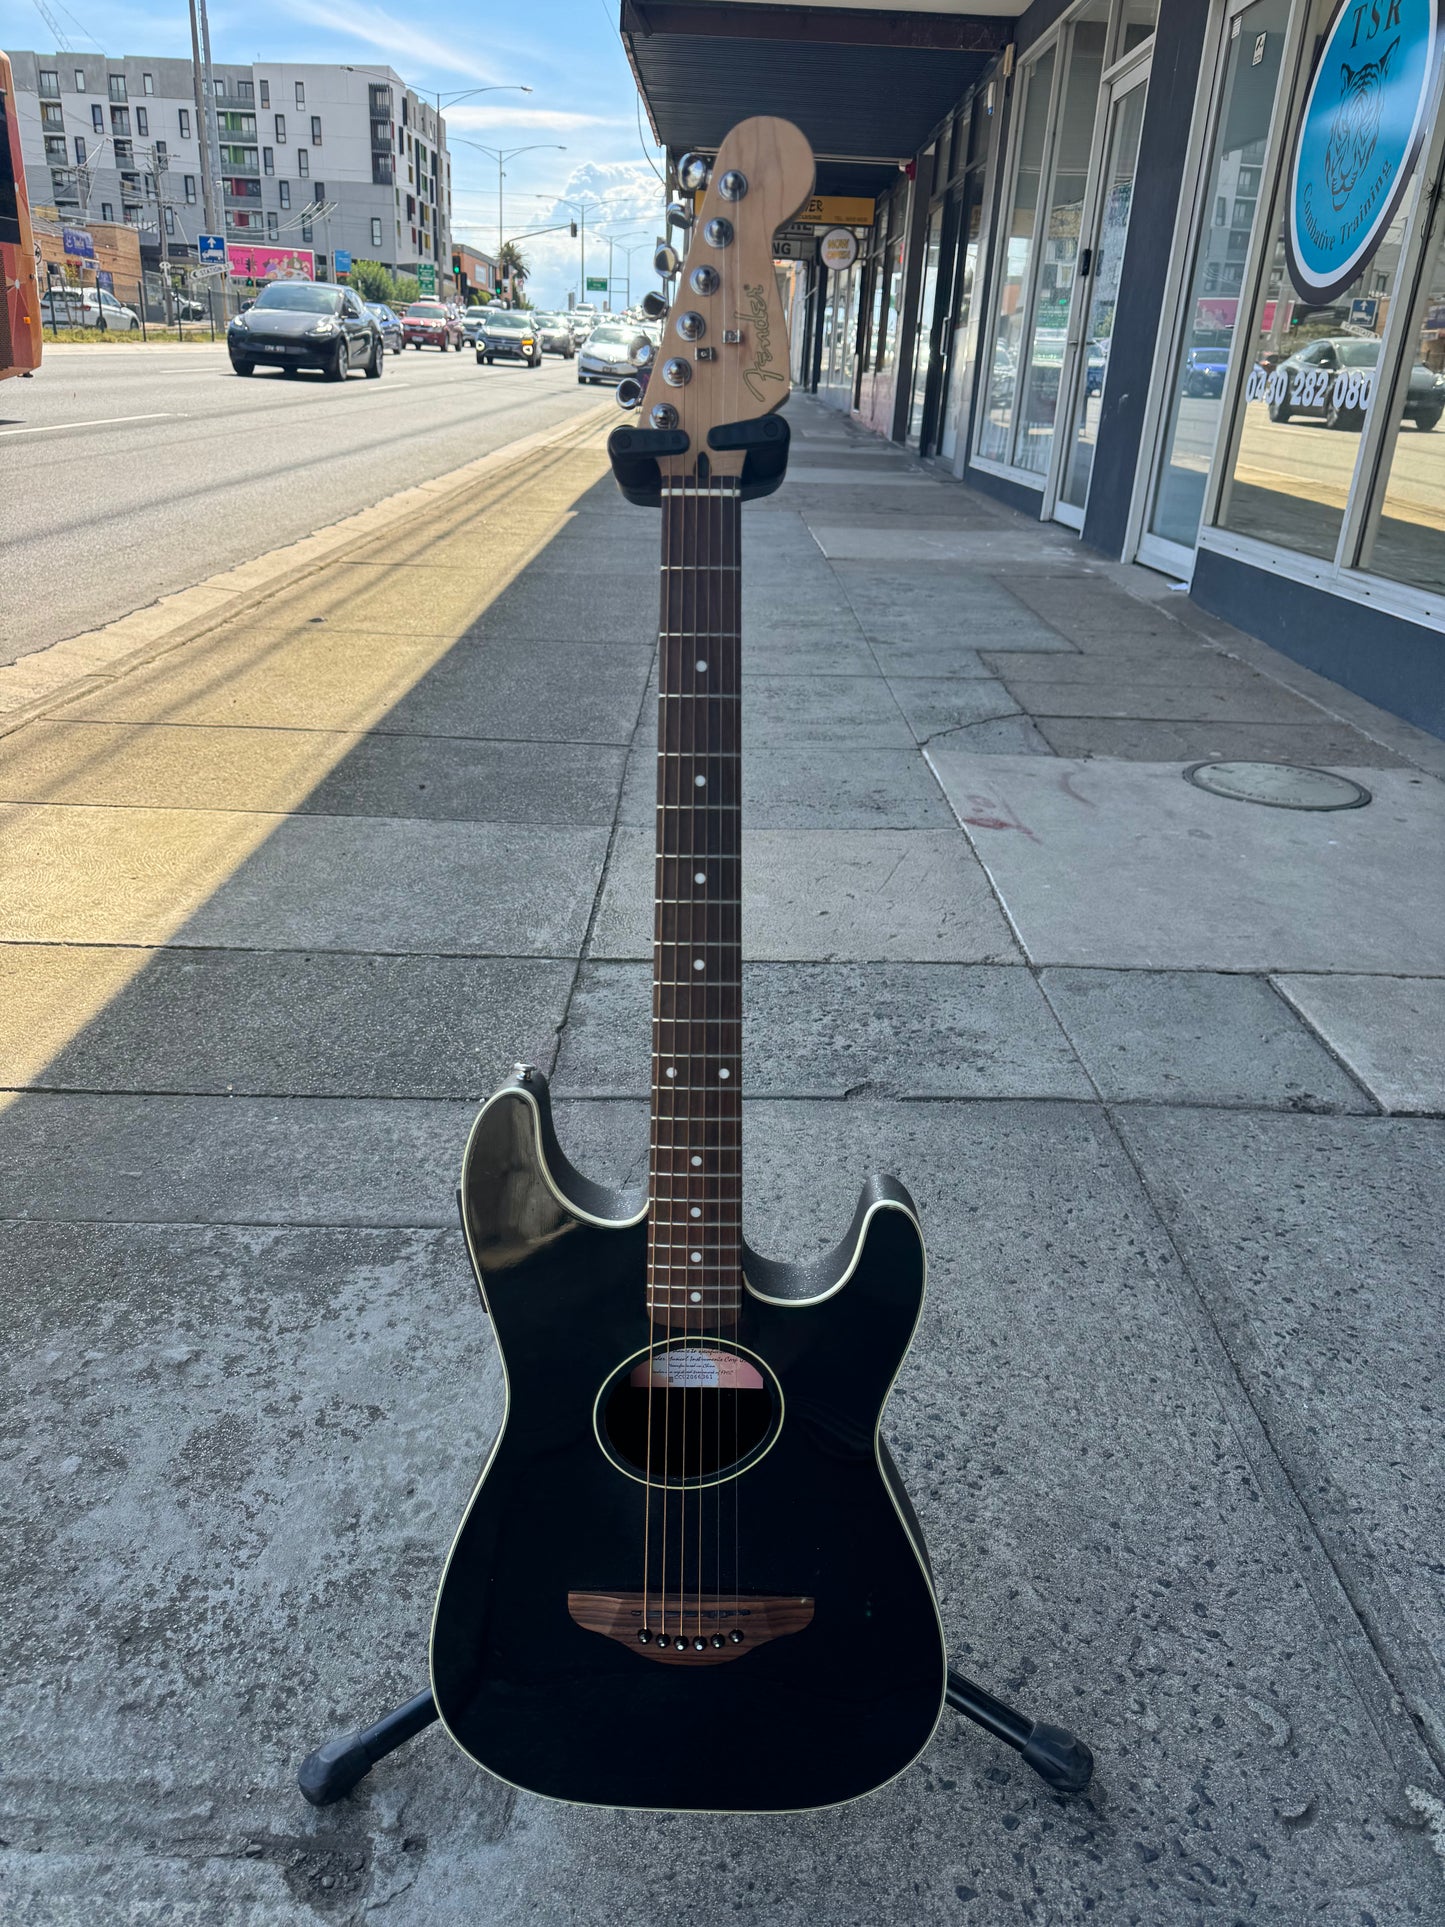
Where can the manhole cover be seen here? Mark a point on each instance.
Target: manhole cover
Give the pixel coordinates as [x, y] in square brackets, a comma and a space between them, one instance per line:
[1282, 786]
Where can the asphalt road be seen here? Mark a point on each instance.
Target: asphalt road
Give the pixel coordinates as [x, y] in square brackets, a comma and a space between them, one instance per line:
[132, 472]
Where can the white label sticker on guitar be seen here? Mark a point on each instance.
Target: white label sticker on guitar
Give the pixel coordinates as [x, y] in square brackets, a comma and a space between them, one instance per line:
[693, 1366]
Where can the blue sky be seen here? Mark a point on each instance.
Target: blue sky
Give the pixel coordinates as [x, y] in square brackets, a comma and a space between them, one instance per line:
[567, 51]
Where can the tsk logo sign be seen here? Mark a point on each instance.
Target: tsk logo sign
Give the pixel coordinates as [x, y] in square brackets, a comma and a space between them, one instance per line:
[1363, 121]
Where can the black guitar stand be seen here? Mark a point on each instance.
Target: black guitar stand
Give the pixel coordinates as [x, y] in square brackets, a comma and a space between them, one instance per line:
[1061, 1761]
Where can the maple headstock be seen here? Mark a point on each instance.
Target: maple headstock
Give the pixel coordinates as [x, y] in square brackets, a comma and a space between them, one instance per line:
[723, 362]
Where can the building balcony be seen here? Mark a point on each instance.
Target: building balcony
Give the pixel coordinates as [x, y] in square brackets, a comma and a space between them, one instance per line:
[233, 104]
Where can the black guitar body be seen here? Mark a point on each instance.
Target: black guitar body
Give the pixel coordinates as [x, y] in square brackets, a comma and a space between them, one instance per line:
[824, 1714]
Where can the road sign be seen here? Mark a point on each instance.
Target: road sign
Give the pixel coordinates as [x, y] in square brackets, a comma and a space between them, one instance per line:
[211, 250]
[343, 261]
[426, 277]
[597, 284]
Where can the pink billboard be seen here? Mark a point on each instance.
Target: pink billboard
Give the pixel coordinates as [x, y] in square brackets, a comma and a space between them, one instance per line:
[259, 264]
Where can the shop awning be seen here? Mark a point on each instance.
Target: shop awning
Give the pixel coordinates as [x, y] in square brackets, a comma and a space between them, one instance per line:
[865, 84]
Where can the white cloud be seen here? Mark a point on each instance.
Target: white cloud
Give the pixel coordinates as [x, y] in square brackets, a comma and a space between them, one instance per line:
[477, 117]
[380, 29]
[631, 206]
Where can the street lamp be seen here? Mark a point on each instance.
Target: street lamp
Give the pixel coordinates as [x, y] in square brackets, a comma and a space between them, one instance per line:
[451, 100]
[627, 254]
[579, 208]
[501, 156]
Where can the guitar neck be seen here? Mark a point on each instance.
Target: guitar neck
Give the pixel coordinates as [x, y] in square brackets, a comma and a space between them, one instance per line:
[694, 1275]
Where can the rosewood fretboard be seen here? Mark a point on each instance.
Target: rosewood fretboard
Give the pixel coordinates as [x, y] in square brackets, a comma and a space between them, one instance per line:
[694, 1276]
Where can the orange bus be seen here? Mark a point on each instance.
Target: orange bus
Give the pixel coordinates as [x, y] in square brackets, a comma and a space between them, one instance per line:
[20, 310]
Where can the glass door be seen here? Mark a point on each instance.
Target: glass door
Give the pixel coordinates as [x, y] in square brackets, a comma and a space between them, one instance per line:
[1108, 232]
[923, 342]
[1253, 51]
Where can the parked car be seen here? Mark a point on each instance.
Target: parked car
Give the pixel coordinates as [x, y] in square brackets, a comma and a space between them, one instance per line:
[554, 335]
[508, 334]
[306, 324]
[85, 308]
[609, 353]
[1312, 385]
[389, 323]
[433, 323]
[1204, 371]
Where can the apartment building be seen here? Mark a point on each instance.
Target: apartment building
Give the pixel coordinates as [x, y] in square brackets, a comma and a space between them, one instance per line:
[107, 139]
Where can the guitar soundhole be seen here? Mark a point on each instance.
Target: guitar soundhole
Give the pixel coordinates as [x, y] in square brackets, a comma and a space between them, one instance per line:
[708, 1408]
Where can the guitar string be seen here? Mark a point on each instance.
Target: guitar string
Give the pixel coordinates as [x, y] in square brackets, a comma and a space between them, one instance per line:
[665, 545]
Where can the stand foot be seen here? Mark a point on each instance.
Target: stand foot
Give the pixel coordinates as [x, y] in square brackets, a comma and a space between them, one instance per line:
[1060, 1759]
[334, 1769]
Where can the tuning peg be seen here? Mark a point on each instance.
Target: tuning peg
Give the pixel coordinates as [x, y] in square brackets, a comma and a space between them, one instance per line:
[629, 393]
[679, 214]
[654, 307]
[693, 173]
[665, 261]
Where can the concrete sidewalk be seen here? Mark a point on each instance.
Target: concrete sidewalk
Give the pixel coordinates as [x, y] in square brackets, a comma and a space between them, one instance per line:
[1163, 1071]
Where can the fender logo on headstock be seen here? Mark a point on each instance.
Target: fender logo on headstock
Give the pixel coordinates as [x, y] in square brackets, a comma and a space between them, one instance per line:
[761, 370]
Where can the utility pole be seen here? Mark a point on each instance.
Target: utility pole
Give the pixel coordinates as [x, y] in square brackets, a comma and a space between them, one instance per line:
[206, 136]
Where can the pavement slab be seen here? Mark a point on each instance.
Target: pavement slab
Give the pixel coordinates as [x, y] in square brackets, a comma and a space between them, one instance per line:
[841, 1030]
[1129, 740]
[290, 1023]
[403, 884]
[821, 712]
[1196, 1037]
[934, 705]
[1314, 1243]
[845, 896]
[156, 765]
[812, 789]
[1389, 1030]
[1268, 890]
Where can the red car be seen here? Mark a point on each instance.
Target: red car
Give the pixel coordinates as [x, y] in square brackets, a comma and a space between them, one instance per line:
[430, 323]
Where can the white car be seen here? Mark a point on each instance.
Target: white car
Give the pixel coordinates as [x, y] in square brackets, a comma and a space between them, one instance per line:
[83, 308]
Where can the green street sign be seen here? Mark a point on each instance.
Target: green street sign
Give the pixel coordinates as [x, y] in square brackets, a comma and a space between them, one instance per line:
[597, 284]
[426, 277]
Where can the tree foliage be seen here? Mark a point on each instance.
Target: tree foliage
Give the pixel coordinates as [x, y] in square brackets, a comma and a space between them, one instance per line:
[512, 261]
[375, 282]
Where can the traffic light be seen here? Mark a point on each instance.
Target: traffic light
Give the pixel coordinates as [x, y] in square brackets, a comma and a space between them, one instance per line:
[500, 289]
[574, 230]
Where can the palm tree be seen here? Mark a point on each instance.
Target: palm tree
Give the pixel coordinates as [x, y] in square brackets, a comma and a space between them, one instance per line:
[513, 263]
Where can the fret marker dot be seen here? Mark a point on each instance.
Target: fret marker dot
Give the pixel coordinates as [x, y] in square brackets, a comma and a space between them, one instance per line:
[671, 1071]
[697, 1211]
[724, 1073]
[696, 1297]
[697, 1162]
[701, 781]
[695, 1256]
[697, 963]
[702, 669]
[699, 876]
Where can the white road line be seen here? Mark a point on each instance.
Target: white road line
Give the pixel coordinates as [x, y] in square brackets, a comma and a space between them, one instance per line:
[105, 421]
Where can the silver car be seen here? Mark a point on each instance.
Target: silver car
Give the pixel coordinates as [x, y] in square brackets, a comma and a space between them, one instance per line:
[609, 353]
[554, 335]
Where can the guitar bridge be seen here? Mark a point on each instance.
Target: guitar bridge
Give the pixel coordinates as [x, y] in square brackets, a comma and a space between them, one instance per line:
[702, 1633]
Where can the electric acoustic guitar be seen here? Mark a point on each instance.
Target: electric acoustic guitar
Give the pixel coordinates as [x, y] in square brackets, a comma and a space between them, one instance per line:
[690, 1577]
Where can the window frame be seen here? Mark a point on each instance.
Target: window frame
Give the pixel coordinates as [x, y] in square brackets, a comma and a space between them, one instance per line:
[1339, 574]
[316, 130]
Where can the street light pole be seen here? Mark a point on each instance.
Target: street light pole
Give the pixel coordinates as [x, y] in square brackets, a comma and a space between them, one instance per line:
[501, 156]
[206, 137]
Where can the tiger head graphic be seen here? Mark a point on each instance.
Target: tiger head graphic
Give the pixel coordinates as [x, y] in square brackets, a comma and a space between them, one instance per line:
[1355, 124]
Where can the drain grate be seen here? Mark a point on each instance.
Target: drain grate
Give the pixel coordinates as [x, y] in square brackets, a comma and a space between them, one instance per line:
[1280, 786]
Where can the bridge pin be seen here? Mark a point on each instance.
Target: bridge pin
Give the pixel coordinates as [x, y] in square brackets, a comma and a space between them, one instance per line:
[736, 1635]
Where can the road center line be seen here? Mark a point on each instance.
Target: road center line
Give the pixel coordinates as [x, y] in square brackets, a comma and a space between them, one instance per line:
[105, 421]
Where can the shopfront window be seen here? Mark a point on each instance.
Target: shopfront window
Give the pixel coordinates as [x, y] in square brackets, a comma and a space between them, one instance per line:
[1009, 316]
[1251, 73]
[1314, 377]
[1058, 258]
[1407, 541]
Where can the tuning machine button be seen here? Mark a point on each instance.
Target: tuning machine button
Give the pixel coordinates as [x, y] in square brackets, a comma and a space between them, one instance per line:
[704, 280]
[644, 353]
[665, 261]
[654, 307]
[733, 185]
[629, 393]
[677, 372]
[679, 214]
[691, 326]
[719, 232]
[663, 415]
[693, 173]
